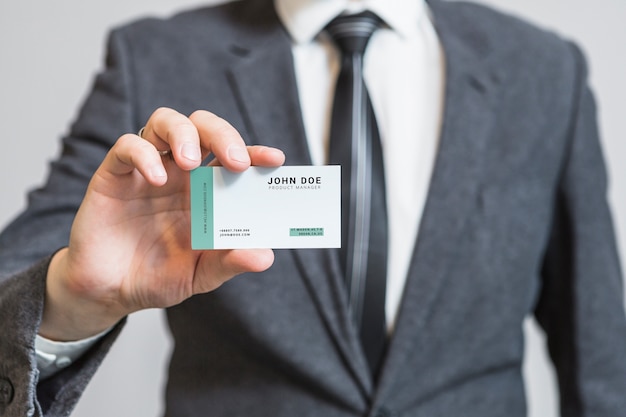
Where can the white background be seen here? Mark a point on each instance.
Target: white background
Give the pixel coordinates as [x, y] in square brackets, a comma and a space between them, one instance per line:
[49, 52]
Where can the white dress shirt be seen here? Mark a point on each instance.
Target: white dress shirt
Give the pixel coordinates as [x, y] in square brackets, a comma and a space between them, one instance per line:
[404, 73]
[403, 70]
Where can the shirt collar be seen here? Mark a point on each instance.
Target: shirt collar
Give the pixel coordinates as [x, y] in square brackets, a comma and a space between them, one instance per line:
[304, 19]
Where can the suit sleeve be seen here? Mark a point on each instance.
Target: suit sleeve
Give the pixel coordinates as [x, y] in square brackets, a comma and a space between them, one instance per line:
[29, 241]
[581, 307]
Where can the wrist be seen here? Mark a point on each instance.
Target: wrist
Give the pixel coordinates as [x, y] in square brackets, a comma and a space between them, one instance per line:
[71, 310]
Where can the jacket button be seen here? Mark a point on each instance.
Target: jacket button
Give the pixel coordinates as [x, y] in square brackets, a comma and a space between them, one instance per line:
[6, 392]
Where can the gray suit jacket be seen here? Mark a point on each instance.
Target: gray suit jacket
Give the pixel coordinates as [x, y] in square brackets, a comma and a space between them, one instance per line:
[516, 222]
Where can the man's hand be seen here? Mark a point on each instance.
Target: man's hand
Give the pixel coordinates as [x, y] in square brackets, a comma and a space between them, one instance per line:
[130, 242]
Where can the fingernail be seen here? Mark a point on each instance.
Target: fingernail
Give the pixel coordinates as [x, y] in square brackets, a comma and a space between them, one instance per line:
[275, 151]
[190, 151]
[238, 153]
[158, 172]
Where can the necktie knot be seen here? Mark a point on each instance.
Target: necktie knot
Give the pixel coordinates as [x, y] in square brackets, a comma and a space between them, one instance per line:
[351, 33]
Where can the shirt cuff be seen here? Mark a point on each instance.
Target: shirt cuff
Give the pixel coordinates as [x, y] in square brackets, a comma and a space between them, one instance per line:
[54, 356]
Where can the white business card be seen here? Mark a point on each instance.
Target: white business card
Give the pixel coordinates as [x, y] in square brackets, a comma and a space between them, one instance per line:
[281, 208]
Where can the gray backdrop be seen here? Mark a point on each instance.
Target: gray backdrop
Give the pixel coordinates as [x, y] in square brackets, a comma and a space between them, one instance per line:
[49, 52]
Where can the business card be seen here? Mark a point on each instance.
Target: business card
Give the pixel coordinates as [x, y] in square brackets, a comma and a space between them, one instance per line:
[287, 207]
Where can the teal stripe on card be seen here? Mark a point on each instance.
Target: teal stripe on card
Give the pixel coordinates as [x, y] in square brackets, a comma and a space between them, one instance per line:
[201, 194]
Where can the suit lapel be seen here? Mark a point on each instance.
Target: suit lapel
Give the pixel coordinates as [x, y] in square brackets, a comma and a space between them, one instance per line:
[321, 272]
[263, 82]
[467, 122]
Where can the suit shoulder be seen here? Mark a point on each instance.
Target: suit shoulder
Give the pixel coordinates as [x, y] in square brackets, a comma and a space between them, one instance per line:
[210, 22]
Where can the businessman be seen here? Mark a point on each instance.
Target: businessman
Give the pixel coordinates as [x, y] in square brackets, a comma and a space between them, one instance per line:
[493, 191]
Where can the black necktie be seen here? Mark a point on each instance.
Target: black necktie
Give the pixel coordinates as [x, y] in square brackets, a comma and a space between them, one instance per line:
[355, 145]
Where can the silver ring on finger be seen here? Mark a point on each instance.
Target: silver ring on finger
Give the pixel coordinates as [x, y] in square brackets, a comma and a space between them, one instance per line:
[164, 153]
